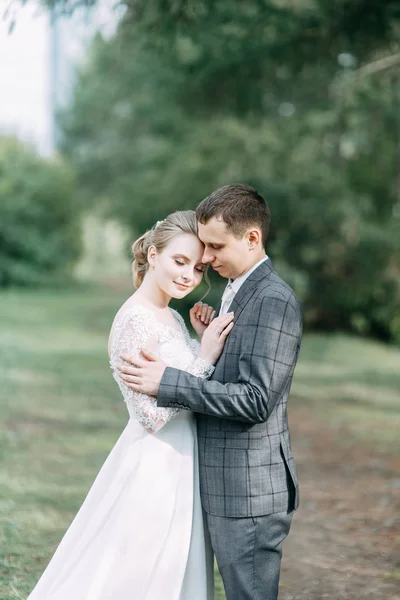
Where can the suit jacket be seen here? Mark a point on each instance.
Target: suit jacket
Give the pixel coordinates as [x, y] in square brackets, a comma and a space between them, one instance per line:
[246, 464]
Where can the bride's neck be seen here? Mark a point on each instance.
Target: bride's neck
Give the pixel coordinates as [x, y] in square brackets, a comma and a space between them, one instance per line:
[152, 294]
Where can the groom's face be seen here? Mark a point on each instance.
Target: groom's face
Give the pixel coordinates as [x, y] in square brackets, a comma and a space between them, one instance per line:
[227, 254]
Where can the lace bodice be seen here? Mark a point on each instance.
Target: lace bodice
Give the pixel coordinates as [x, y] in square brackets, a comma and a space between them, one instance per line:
[137, 327]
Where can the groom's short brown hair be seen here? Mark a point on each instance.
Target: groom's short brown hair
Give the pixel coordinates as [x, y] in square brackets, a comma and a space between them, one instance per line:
[240, 206]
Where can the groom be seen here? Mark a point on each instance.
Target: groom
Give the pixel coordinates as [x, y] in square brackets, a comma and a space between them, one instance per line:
[248, 476]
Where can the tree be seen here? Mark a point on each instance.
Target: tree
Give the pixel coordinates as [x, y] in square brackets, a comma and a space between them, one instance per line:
[39, 217]
[178, 103]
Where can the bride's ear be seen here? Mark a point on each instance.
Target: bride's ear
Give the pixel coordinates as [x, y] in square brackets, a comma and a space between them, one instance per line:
[151, 255]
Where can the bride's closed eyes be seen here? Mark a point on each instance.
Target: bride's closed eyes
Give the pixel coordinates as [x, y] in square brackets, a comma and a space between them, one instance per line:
[200, 269]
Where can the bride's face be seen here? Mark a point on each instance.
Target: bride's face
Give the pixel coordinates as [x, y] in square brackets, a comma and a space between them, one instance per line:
[178, 268]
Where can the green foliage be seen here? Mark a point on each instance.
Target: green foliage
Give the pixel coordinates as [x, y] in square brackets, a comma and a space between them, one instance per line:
[188, 96]
[39, 217]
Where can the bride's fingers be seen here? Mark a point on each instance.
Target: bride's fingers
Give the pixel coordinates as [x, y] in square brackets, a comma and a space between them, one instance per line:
[194, 310]
[204, 310]
[225, 332]
[226, 316]
[220, 323]
[224, 320]
[210, 311]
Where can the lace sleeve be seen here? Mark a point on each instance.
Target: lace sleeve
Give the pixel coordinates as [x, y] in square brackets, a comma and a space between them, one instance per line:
[199, 367]
[134, 331]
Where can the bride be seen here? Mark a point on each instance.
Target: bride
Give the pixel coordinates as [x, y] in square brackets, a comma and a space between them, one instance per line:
[139, 533]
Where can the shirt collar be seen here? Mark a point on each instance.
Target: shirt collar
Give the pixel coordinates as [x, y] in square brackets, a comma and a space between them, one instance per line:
[239, 281]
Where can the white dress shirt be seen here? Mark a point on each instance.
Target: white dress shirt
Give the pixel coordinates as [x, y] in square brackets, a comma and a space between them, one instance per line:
[233, 287]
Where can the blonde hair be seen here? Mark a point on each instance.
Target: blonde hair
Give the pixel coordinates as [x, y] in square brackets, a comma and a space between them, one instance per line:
[181, 221]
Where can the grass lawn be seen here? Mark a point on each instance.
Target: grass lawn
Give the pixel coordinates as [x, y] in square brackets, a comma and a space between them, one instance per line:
[61, 412]
[354, 384]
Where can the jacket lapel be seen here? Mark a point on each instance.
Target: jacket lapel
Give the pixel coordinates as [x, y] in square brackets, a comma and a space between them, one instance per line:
[249, 286]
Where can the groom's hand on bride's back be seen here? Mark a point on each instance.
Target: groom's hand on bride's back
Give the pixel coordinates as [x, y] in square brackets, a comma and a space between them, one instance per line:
[201, 316]
[143, 373]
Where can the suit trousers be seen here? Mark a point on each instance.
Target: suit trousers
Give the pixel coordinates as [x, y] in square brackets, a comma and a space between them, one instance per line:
[248, 551]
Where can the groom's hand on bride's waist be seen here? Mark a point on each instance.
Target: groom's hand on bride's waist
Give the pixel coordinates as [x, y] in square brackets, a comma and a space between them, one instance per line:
[144, 372]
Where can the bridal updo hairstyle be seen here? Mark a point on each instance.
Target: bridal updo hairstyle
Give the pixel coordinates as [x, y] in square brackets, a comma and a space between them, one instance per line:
[181, 221]
[240, 206]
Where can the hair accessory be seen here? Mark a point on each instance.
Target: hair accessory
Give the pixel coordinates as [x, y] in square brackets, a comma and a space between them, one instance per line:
[159, 223]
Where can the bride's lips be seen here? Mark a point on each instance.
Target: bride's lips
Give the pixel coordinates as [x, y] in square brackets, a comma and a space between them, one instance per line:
[181, 286]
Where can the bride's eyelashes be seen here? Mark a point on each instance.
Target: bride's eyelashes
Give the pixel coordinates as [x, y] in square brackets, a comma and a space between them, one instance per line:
[178, 262]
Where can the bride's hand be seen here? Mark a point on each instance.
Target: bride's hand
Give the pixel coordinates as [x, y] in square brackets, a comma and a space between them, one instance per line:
[214, 338]
[201, 316]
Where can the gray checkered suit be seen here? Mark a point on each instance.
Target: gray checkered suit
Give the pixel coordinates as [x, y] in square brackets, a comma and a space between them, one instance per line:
[242, 422]
[246, 465]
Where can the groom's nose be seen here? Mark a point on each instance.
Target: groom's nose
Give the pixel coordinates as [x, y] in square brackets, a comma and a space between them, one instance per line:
[208, 257]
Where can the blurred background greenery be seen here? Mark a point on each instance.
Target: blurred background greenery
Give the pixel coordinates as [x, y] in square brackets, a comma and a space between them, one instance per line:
[300, 98]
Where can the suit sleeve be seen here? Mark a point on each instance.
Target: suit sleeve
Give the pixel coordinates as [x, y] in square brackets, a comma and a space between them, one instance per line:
[266, 363]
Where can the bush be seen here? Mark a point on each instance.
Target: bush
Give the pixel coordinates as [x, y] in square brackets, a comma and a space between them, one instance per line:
[40, 237]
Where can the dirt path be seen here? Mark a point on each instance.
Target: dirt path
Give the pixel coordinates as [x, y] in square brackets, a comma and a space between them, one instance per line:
[345, 537]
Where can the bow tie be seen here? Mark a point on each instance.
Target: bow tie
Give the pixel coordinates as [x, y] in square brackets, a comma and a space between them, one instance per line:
[227, 298]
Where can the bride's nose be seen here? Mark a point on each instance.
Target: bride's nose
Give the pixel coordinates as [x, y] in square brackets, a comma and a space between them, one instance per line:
[187, 275]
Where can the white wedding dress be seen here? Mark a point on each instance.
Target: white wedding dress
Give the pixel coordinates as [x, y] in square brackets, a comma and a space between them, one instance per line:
[139, 534]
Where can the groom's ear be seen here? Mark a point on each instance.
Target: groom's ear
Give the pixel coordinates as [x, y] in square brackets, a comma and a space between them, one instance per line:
[253, 238]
